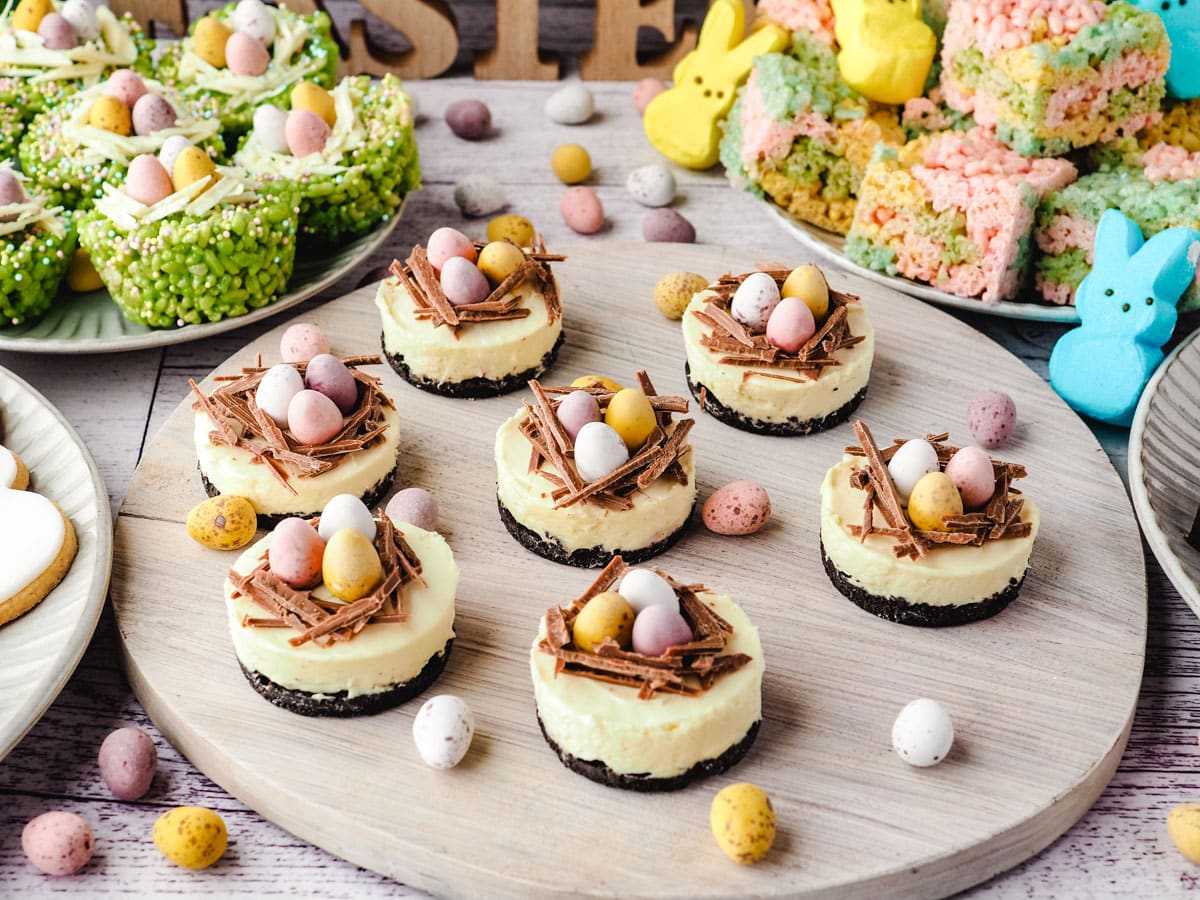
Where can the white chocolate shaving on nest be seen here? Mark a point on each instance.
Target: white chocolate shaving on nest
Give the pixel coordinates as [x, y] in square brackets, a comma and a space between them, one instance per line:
[24, 54]
[198, 198]
[29, 212]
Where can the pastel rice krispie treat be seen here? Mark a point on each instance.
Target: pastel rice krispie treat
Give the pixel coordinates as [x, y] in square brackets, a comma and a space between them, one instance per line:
[812, 16]
[36, 245]
[954, 210]
[1052, 75]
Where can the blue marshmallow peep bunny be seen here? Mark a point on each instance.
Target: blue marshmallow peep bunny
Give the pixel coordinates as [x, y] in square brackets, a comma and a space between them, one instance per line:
[1183, 31]
[1127, 309]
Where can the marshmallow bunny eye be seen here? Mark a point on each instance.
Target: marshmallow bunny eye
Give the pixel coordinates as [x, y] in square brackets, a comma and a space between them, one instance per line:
[1124, 307]
[1108, 292]
[1149, 301]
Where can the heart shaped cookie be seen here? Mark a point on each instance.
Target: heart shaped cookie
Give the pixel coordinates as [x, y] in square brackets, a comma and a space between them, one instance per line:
[37, 546]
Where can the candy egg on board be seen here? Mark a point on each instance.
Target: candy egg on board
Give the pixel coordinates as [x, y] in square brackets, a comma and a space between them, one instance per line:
[511, 227]
[270, 127]
[606, 615]
[346, 511]
[581, 210]
[351, 568]
[110, 114]
[470, 120]
[631, 416]
[740, 507]
[126, 85]
[644, 588]
[992, 418]
[82, 276]
[128, 761]
[576, 410]
[296, 553]
[446, 243]
[571, 163]
[912, 462]
[147, 181]
[192, 165]
[301, 342]
[170, 150]
[28, 14]
[10, 189]
[57, 33]
[596, 381]
[192, 837]
[58, 843]
[808, 283]
[667, 226]
[572, 104]
[415, 506]
[933, 498]
[442, 730]
[499, 259]
[463, 283]
[743, 822]
[312, 97]
[246, 55]
[329, 375]
[306, 132]
[1183, 826]
[598, 450]
[754, 301]
[674, 291]
[209, 39]
[645, 91]
[252, 17]
[275, 391]
[971, 471]
[152, 113]
[923, 733]
[479, 195]
[224, 522]
[82, 16]
[790, 325]
[313, 418]
[651, 185]
[658, 627]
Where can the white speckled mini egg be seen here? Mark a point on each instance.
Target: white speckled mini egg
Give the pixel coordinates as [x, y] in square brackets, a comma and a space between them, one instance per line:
[651, 185]
[755, 300]
[346, 511]
[170, 150]
[270, 127]
[82, 16]
[442, 730]
[912, 462]
[253, 18]
[479, 195]
[643, 588]
[923, 733]
[598, 450]
[278, 386]
[572, 104]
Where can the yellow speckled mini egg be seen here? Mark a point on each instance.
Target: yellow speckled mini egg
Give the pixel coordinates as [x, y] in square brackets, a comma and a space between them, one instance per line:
[517, 229]
[351, 568]
[29, 14]
[932, 499]
[631, 416]
[743, 822]
[571, 163]
[498, 260]
[112, 115]
[314, 98]
[209, 39]
[226, 522]
[808, 283]
[82, 275]
[1183, 825]
[606, 615]
[191, 165]
[675, 290]
[596, 381]
[190, 836]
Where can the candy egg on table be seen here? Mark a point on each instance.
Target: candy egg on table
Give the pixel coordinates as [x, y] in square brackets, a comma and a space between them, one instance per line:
[313, 418]
[82, 276]
[912, 461]
[306, 132]
[607, 615]
[971, 471]
[224, 522]
[58, 843]
[511, 227]
[209, 39]
[128, 761]
[270, 127]
[252, 17]
[631, 415]
[351, 568]
[1183, 827]
[923, 733]
[470, 120]
[442, 730]
[808, 283]
[275, 391]
[992, 418]
[738, 508]
[315, 99]
[754, 301]
[301, 342]
[658, 627]
[192, 165]
[169, 152]
[296, 553]
[57, 33]
[126, 85]
[82, 16]
[581, 210]
[933, 498]
[667, 226]
[28, 14]
[598, 450]
[790, 325]
[192, 837]
[743, 822]
[109, 113]
[246, 55]
[463, 283]
[576, 410]
[596, 381]
[499, 259]
[415, 506]
[644, 588]
[479, 195]
[346, 511]
[152, 113]
[571, 163]
[147, 181]
[674, 292]
[329, 375]
[645, 91]
[572, 104]
[10, 189]
[446, 243]
[651, 185]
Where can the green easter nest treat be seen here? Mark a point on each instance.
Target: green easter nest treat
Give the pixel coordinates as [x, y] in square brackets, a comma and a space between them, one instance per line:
[36, 246]
[11, 127]
[367, 166]
[303, 50]
[204, 253]
[70, 160]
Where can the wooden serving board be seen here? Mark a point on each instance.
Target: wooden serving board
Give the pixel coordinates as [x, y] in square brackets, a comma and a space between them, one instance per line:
[1042, 696]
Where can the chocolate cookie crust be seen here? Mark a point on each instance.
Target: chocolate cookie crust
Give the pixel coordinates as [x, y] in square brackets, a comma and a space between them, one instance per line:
[472, 388]
[372, 498]
[793, 427]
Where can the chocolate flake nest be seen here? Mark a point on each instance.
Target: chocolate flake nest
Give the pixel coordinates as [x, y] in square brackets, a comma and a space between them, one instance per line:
[421, 281]
[659, 455]
[737, 346]
[688, 669]
[239, 422]
[328, 621]
[999, 518]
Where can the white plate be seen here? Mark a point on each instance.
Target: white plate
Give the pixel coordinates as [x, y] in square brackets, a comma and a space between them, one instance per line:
[92, 323]
[828, 246]
[1164, 465]
[40, 650]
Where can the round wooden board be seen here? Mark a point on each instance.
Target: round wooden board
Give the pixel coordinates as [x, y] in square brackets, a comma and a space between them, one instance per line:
[1042, 696]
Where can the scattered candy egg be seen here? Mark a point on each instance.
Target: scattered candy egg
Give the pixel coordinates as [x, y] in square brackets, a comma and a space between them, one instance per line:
[511, 227]
[57, 33]
[192, 165]
[912, 462]
[645, 91]
[270, 127]
[147, 181]
[295, 554]
[346, 511]
[209, 39]
[581, 210]
[329, 375]
[754, 301]
[306, 132]
[192, 837]
[992, 418]
[463, 283]
[933, 498]
[224, 522]
[596, 381]
[576, 410]
[667, 226]
[82, 276]
[571, 163]
[631, 415]
[598, 450]
[110, 114]
[275, 391]
[82, 16]
[152, 113]
[126, 85]
[58, 843]
[254, 18]
[313, 418]
[479, 195]
[301, 342]
[415, 506]
[170, 150]
[923, 733]
[674, 291]
[499, 259]
[10, 189]
[128, 761]
[658, 627]
[572, 104]
[442, 730]
[351, 568]
[971, 471]
[606, 615]
[790, 325]
[651, 185]
[808, 283]
[740, 507]
[446, 243]
[470, 120]
[1183, 826]
[28, 14]
[246, 55]
[315, 99]
[644, 588]
[743, 822]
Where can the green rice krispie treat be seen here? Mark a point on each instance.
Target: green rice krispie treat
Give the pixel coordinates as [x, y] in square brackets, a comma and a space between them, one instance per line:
[248, 53]
[351, 176]
[36, 246]
[11, 128]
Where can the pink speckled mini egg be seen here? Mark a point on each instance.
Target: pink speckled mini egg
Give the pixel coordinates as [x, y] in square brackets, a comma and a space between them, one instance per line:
[301, 342]
[313, 418]
[415, 506]
[152, 113]
[306, 132]
[57, 33]
[790, 324]
[246, 55]
[658, 627]
[447, 243]
[296, 553]
[645, 91]
[581, 210]
[10, 189]
[330, 376]
[741, 507]
[147, 181]
[576, 410]
[992, 418]
[58, 843]
[971, 471]
[462, 282]
[128, 761]
[126, 85]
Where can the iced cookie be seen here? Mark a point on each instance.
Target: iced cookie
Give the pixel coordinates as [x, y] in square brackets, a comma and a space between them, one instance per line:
[37, 542]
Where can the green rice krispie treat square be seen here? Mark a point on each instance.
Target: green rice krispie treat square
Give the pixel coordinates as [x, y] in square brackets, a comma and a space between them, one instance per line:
[36, 246]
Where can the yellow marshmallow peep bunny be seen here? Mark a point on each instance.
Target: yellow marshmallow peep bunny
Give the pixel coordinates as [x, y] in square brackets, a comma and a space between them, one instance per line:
[682, 121]
[886, 49]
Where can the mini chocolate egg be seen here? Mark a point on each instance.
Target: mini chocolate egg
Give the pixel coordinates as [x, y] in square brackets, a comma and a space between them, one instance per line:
[576, 410]
[192, 837]
[58, 843]
[253, 17]
[631, 415]
[306, 132]
[499, 259]
[270, 127]
[912, 461]
[351, 568]
[581, 210]
[313, 418]
[598, 450]
[192, 165]
[414, 506]
[511, 227]
[790, 325]
[209, 39]
[596, 381]
[971, 471]
[152, 113]
[10, 189]
[82, 276]
[479, 195]
[667, 226]
[316, 99]
[644, 588]
[933, 498]
[572, 104]
[463, 283]
[1183, 827]
[224, 522]
[992, 418]
[110, 114]
[329, 375]
[126, 85]
[923, 733]
[128, 761]
[571, 163]
[651, 185]
[57, 33]
[658, 627]
[295, 554]
[674, 292]
[808, 283]
[346, 511]
[147, 181]
[28, 14]
[170, 150]
[606, 615]
[442, 730]
[754, 301]
[82, 16]
[743, 822]
[740, 507]
[246, 55]
[645, 91]
[301, 342]
[275, 391]
[446, 243]
[470, 120]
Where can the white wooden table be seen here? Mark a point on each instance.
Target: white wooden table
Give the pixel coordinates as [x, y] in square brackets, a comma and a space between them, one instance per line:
[117, 401]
